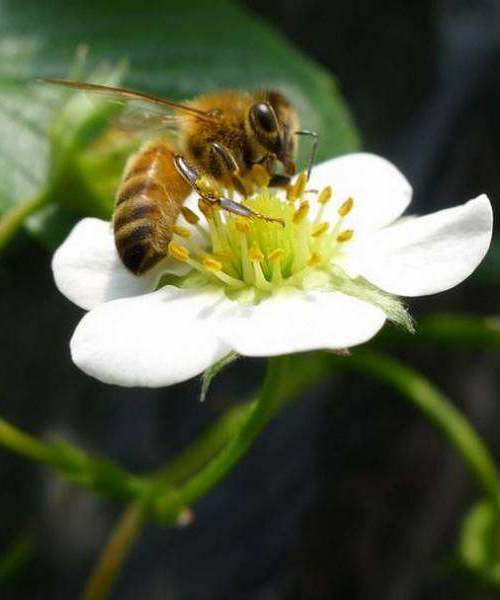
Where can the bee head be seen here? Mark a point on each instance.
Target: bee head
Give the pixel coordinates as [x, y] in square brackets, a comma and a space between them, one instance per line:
[273, 133]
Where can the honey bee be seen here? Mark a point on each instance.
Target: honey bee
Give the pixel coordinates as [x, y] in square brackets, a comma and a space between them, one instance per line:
[219, 135]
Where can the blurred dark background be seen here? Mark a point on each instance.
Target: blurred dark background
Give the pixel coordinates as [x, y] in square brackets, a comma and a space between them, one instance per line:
[348, 494]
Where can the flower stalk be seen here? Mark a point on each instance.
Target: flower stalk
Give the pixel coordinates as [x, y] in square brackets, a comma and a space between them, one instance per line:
[115, 552]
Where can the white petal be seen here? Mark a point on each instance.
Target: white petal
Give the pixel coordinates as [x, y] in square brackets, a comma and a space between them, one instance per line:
[428, 254]
[298, 322]
[380, 191]
[153, 340]
[88, 270]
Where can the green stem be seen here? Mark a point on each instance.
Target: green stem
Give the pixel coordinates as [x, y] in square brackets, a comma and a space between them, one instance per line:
[13, 220]
[16, 440]
[74, 464]
[262, 410]
[438, 409]
[115, 552]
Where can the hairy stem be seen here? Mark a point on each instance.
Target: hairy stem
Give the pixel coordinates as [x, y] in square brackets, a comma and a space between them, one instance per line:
[271, 397]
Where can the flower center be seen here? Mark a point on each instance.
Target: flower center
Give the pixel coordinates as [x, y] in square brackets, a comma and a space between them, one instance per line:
[251, 257]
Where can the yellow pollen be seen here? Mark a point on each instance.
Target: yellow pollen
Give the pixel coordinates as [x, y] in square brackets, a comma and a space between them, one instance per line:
[345, 235]
[178, 252]
[346, 207]
[223, 255]
[206, 208]
[315, 260]
[255, 253]
[191, 217]
[290, 194]
[276, 255]
[325, 195]
[182, 231]
[242, 185]
[301, 212]
[211, 264]
[242, 226]
[300, 185]
[260, 175]
[208, 187]
[319, 229]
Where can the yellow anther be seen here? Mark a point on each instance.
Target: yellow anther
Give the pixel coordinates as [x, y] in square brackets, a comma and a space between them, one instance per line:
[319, 229]
[177, 251]
[260, 175]
[191, 217]
[290, 194]
[301, 212]
[345, 235]
[346, 207]
[208, 187]
[325, 195]
[276, 255]
[315, 260]
[223, 255]
[300, 185]
[211, 264]
[206, 208]
[255, 253]
[182, 231]
[242, 185]
[243, 226]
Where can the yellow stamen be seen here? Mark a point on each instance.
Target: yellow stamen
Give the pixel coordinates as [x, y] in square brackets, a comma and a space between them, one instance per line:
[191, 217]
[346, 207]
[300, 185]
[290, 194]
[325, 195]
[208, 187]
[301, 212]
[243, 185]
[211, 264]
[206, 208]
[319, 229]
[178, 252]
[276, 255]
[255, 253]
[223, 255]
[345, 235]
[242, 226]
[260, 176]
[315, 260]
[182, 231]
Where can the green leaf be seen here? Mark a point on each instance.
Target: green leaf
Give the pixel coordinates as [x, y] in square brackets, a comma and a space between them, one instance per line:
[174, 49]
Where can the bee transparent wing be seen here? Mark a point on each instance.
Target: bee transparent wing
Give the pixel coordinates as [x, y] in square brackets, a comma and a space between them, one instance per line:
[140, 111]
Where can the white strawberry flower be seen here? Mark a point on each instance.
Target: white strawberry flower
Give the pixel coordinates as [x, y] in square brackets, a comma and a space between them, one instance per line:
[327, 279]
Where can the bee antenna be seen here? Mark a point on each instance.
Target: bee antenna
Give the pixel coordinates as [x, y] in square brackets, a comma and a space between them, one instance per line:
[314, 148]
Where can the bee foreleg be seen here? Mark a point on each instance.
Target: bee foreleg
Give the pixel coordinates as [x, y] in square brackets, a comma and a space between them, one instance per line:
[244, 211]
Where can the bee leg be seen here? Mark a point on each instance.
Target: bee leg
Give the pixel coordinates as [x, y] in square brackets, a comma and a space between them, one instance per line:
[244, 211]
[192, 176]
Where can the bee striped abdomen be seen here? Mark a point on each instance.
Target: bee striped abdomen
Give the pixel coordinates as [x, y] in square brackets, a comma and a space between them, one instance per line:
[147, 205]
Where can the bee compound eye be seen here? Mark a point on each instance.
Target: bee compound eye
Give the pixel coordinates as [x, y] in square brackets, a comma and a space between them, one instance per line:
[263, 115]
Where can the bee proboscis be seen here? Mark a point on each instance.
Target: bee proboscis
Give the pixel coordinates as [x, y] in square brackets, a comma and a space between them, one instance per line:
[220, 135]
